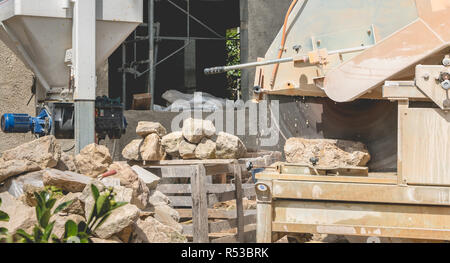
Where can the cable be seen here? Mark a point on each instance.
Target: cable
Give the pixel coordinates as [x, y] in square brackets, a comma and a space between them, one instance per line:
[283, 42]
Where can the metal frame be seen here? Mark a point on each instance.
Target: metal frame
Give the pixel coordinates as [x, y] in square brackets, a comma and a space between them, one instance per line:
[153, 37]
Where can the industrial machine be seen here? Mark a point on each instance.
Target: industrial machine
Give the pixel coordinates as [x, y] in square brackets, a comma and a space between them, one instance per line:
[57, 118]
[63, 42]
[360, 65]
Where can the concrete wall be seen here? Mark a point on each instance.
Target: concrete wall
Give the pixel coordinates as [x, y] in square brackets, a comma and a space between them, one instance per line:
[261, 20]
[15, 90]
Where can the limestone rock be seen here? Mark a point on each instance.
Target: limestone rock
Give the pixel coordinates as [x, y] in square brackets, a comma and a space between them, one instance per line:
[194, 130]
[93, 160]
[151, 149]
[87, 198]
[21, 215]
[157, 198]
[209, 130]
[28, 197]
[126, 234]
[150, 179]
[145, 128]
[44, 152]
[129, 178]
[168, 216]
[330, 153]
[206, 150]
[67, 181]
[171, 142]
[132, 150]
[152, 231]
[60, 222]
[76, 208]
[67, 163]
[119, 219]
[229, 146]
[123, 194]
[187, 150]
[15, 167]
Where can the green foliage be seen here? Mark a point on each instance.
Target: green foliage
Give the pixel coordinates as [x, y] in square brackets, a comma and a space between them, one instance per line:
[233, 46]
[43, 230]
[4, 218]
[104, 204]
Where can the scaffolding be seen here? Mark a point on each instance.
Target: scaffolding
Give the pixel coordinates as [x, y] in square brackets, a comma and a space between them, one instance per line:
[153, 37]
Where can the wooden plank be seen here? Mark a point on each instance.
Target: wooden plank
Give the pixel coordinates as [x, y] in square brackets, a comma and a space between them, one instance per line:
[249, 236]
[190, 162]
[417, 195]
[180, 201]
[210, 188]
[239, 201]
[170, 171]
[216, 169]
[336, 179]
[215, 213]
[231, 195]
[199, 205]
[425, 146]
[223, 225]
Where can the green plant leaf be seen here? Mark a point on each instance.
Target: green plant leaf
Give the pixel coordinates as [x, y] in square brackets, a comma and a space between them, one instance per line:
[62, 206]
[28, 238]
[0, 202]
[48, 231]
[39, 200]
[50, 203]
[102, 203]
[117, 205]
[45, 196]
[3, 231]
[71, 229]
[45, 218]
[82, 227]
[37, 234]
[95, 192]
[4, 216]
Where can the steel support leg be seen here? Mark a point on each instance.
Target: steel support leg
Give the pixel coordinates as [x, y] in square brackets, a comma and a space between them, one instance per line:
[84, 62]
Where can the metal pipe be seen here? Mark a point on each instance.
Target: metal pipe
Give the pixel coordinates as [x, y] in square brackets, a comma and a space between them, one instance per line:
[124, 76]
[223, 69]
[218, 70]
[151, 55]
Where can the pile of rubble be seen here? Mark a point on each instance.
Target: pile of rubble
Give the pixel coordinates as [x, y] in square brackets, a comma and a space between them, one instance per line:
[146, 218]
[197, 140]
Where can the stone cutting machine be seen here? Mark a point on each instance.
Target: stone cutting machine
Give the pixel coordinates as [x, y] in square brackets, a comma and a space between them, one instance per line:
[348, 51]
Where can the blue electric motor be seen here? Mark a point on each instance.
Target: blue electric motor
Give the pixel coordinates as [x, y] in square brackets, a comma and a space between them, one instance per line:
[24, 123]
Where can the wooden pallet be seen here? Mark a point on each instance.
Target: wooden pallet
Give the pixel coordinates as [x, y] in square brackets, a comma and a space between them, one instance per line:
[198, 195]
